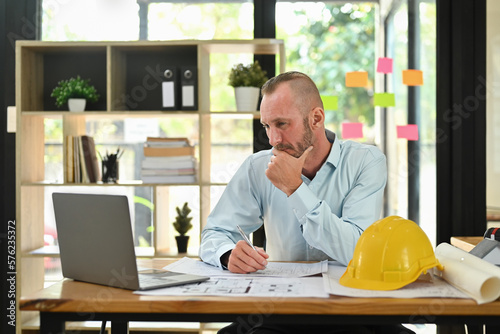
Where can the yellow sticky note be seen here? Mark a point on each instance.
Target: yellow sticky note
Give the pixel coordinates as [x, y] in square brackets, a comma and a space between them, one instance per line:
[413, 77]
[384, 99]
[330, 102]
[356, 79]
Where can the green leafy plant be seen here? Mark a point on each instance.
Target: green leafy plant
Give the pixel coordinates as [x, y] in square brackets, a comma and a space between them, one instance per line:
[251, 75]
[182, 222]
[74, 88]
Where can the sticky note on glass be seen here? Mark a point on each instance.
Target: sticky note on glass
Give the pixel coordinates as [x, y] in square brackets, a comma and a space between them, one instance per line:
[356, 79]
[352, 130]
[409, 131]
[330, 102]
[384, 65]
[384, 99]
[413, 77]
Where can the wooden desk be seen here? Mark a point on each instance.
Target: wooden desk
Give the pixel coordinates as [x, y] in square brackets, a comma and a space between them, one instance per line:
[76, 301]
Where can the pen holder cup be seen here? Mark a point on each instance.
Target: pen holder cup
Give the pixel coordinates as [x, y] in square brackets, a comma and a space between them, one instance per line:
[110, 171]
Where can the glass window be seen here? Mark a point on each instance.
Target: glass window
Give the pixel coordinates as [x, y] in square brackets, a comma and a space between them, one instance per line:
[199, 20]
[326, 40]
[421, 162]
[90, 20]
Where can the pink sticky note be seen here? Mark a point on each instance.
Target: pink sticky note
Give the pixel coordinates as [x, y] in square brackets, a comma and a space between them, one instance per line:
[409, 131]
[352, 130]
[384, 65]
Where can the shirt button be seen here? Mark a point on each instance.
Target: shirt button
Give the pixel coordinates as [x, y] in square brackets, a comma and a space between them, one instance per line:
[311, 247]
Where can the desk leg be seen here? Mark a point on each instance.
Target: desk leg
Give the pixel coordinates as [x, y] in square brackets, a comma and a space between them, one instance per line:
[51, 324]
[119, 327]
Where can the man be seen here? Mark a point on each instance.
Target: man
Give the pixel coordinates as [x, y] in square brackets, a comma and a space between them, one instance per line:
[314, 194]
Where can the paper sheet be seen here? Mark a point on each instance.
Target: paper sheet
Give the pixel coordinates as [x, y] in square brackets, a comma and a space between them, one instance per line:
[247, 286]
[426, 286]
[278, 269]
[471, 274]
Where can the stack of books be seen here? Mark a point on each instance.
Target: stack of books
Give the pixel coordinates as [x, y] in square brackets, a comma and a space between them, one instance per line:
[81, 160]
[168, 160]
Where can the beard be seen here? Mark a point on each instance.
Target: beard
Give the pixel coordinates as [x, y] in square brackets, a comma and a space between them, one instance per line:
[302, 145]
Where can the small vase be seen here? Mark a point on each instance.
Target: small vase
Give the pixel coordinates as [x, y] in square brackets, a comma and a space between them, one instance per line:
[76, 104]
[247, 98]
[182, 242]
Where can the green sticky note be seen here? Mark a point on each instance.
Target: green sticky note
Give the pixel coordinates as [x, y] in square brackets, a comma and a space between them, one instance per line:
[384, 99]
[330, 102]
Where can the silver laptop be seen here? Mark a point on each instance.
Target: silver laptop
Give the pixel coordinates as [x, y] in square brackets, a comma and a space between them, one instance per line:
[96, 244]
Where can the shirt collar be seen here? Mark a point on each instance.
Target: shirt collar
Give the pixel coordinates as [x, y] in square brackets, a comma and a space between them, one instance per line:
[334, 155]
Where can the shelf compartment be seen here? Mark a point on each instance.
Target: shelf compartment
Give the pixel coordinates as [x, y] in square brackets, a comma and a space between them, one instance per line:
[137, 74]
[45, 65]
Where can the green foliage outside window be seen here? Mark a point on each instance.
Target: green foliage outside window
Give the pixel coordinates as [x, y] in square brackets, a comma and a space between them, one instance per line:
[334, 39]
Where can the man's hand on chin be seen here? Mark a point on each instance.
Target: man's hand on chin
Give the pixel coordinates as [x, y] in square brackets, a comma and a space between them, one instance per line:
[284, 170]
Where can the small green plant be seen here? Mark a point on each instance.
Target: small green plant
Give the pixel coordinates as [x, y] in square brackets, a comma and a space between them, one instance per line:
[74, 88]
[251, 75]
[182, 222]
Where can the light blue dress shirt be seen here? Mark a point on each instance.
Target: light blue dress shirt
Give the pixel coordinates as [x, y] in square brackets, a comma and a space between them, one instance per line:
[322, 219]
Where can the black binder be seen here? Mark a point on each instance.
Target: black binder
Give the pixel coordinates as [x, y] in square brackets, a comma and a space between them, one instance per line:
[189, 88]
[170, 89]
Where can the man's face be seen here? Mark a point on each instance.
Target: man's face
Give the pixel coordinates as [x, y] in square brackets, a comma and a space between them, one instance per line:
[301, 144]
[286, 127]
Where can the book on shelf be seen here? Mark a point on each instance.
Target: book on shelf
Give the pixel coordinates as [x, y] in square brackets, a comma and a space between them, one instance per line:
[169, 171]
[81, 162]
[168, 151]
[90, 156]
[169, 162]
[167, 141]
[69, 175]
[167, 147]
[169, 178]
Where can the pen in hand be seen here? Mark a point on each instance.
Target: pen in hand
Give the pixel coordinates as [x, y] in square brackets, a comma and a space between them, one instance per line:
[244, 236]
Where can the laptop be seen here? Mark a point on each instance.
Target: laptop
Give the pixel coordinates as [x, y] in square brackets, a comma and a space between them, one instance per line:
[96, 244]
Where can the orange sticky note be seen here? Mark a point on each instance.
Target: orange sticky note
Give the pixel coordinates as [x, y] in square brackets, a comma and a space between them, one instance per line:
[356, 79]
[409, 131]
[413, 77]
[352, 130]
[384, 65]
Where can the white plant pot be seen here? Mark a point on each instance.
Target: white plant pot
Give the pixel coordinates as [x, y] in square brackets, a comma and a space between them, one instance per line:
[76, 104]
[247, 98]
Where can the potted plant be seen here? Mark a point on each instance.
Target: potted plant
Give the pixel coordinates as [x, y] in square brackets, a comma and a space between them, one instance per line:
[247, 81]
[182, 225]
[67, 91]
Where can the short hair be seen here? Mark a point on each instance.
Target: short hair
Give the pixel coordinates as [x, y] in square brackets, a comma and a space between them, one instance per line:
[301, 85]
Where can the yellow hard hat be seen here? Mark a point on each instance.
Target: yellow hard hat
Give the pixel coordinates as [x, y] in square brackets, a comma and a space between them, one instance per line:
[390, 253]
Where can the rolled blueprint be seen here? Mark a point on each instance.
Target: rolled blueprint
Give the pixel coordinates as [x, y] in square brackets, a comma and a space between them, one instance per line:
[468, 273]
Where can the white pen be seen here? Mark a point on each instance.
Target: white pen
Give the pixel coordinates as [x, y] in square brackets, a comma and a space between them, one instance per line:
[245, 237]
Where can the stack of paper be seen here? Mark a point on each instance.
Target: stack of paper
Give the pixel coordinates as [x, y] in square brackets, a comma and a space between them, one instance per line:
[168, 160]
